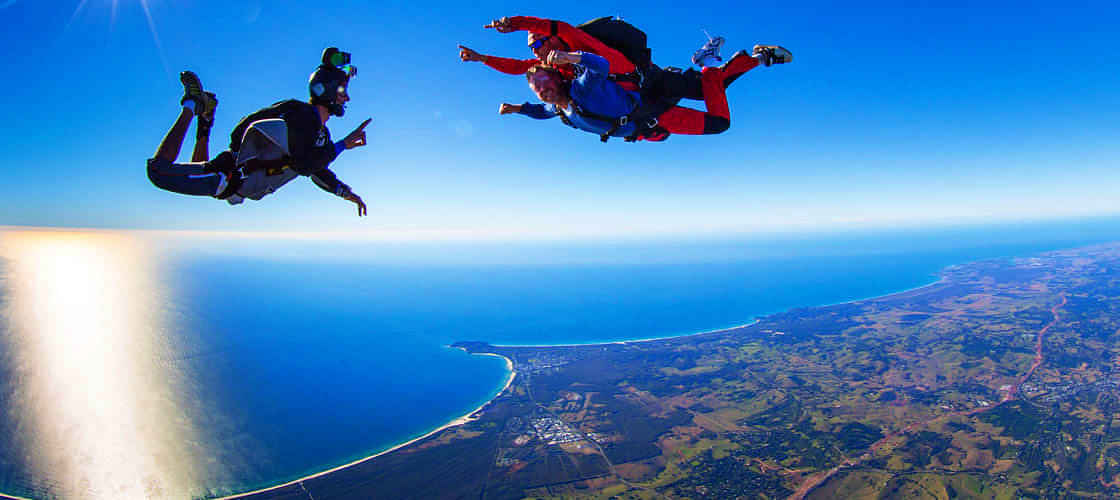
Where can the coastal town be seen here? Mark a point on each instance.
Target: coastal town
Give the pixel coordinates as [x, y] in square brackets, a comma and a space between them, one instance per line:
[996, 381]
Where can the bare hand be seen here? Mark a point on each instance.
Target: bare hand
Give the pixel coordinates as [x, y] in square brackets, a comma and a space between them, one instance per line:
[358, 201]
[468, 55]
[503, 25]
[358, 136]
[507, 108]
[559, 57]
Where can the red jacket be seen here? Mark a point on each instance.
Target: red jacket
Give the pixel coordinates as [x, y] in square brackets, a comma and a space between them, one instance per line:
[577, 40]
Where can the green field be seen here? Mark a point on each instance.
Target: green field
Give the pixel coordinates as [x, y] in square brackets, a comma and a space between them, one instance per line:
[923, 394]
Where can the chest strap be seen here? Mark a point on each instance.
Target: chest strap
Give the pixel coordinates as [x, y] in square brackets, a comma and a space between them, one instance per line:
[635, 115]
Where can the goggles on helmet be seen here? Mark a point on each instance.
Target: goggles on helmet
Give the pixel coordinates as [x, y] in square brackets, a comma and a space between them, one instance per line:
[341, 60]
[539, 42]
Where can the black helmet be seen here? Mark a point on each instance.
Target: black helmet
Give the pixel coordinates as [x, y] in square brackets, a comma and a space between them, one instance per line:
[332, 76]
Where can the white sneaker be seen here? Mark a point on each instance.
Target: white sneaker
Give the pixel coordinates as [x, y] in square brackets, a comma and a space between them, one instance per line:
[708, 55]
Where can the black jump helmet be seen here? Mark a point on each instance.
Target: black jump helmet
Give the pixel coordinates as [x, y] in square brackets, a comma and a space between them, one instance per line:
[331, 78]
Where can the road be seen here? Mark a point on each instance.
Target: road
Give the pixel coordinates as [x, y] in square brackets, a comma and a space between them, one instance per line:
[818, 479]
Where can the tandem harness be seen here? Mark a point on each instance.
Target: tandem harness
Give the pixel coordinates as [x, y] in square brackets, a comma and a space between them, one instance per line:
[644, 116]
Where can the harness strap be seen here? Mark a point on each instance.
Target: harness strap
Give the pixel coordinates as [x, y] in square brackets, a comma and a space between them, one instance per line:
[234, 181]
[620, 122]
[271, 167]
[616, 122]
[634, 77]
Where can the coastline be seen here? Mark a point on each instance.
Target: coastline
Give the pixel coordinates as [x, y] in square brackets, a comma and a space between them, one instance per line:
[935, 282]
[467, 417]
[938, 281]
[512, 374]
[510, 378]
[624, 342]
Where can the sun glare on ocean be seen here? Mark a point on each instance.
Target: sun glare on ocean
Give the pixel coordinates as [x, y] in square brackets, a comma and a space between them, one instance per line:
[102, 415]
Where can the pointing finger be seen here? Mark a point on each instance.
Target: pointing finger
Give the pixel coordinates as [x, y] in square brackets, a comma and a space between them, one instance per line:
[363, 125]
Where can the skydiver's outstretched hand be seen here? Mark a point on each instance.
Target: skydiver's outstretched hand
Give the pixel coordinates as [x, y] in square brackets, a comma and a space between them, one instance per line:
[357, 138]
[507, 108]
[503, 25]
[358, 201]
[559, 57]
[468, 55]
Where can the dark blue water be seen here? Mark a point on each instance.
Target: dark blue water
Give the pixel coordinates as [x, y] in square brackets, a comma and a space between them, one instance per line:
[316, 354]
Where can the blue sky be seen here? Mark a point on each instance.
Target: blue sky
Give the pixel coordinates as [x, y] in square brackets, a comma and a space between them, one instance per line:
[931, 113]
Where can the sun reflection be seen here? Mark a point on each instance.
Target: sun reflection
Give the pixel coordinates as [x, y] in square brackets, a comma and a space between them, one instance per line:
[102, 414]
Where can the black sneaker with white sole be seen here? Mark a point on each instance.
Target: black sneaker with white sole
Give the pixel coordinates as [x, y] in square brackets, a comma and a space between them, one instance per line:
[772, 54]
[204, 102]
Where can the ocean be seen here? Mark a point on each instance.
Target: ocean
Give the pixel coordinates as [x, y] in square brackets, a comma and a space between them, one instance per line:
[229, 365]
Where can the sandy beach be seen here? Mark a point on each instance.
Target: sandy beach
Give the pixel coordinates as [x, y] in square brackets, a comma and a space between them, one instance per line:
[725, 329]
[469, 416]
[509, 381]
[472, 415]
[632, 341]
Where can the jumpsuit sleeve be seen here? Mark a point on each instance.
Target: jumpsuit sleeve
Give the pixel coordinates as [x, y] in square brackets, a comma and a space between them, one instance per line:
[511, 66]
[538, 111]
[328, 181]
[596, 67]
[535, 25]
[576, 39]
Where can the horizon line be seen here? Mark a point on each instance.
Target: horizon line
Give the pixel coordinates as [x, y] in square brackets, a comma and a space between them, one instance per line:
[484, 235]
